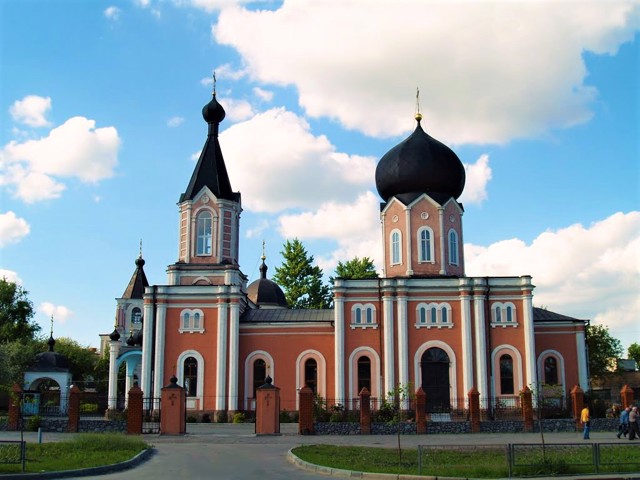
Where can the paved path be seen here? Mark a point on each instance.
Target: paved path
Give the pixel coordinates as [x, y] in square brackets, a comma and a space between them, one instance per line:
[233, 452]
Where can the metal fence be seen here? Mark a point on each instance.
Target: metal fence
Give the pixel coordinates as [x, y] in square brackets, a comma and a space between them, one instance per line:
[151, 415]
[13, 452]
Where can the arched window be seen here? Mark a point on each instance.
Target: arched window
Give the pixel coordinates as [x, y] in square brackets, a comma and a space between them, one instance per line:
[551, 371]
[186, 320]
[506, 375]
[395, 248]
[434, 315]
[369, 315]
[205, 234]
[364, 374]
[136, 316]
[259, 374]
[509, 313]
[423, 315]
[424, 241]
[191, 376]
[358, 315]
[444, 315]
[453, 247]
[498, 314]
[196, 321]
[311, 375]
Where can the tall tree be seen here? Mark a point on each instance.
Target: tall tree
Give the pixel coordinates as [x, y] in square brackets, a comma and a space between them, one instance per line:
[356, 269]
[603, 350]
[300, 279]
[16, 313]
[634, 352]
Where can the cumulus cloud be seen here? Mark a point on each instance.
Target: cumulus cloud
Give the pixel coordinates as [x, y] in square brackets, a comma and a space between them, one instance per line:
[477, 177]
[486, 75]
[60, 313]
[262, 94]
[112, 13]
[34, 169]
[12, 228]
[279, 145]
[238, 110]
[10, 276]
[585, 272]
[31, 111]
[175, 122]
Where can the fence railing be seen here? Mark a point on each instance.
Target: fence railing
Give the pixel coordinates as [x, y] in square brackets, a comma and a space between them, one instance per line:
[13, 452]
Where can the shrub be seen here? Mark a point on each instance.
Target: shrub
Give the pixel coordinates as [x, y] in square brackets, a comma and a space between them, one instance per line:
[33, 423]
[223, 417]
[238, 417]
[285, 417]
[206, 418]
[191, 419]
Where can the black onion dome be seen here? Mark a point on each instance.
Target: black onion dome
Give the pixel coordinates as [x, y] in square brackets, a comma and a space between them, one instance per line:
[266, 293]
[50, 361]
[213, 112]
[115, 335]
[140, 262]
[420, 164]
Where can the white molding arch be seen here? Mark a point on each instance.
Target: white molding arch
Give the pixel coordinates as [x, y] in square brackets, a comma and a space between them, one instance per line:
[518, 373]
[248, 372]
[376, 386]
[558, 356]
[453, 381]
[322, 372]
[180, 375]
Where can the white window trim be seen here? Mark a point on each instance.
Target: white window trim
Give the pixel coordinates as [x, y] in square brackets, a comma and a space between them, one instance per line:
[503, 314]
[213, 215]
[456, 250]
[363, 323]
[200, 386]
[431, 245]
[191, 313]
[440, 307]
[394, 231]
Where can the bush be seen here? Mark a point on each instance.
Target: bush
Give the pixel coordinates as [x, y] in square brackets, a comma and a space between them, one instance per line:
[238, 417]
[285, 417]
[191, 419]
[33, 423]
[206, 418]
[223, 417]
[89, 408]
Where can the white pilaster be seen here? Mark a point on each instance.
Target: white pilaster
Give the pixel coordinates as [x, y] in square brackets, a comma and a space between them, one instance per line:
[403, 343]
[221, 371]
[583, 377]
[385, 245]
[114, 350]
[482, 383]
[443, 244]
[467, 345]
[338, 338]
[158, 368]
[147, 350]
[409, 237]
[234, 334]
[389, 366]
[529, 341]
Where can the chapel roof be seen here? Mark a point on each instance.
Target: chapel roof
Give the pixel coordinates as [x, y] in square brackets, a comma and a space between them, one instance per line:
[544, 315]
[138, 282]
[266, 293]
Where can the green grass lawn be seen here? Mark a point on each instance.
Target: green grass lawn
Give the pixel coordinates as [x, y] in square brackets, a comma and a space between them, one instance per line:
[82, 451]
[475, 462]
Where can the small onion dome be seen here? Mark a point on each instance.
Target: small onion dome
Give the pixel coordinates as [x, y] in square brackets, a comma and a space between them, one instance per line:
[213, 112]
[131, 341]
[140, 262]
[135, 339]
[420, 164]
[51, 343]
[266, 293]
[115, 335]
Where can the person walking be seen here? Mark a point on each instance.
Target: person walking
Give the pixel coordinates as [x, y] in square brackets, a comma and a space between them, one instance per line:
[585, 419]
[623, 426]
[634, 428]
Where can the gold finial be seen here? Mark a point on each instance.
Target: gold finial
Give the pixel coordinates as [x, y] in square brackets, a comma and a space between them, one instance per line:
[263, 257]
[418, 114]
[214, 83]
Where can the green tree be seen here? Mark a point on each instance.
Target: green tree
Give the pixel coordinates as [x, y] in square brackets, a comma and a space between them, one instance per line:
[356, 269]
[83, 361]
[16, 357]
[634, 352]
[603, 350]
[300, 279]
[16, 313]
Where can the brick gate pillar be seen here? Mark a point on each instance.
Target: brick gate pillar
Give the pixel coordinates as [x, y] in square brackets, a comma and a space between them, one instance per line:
[15, 400]
[134, 411]
[172, 409]
[305, 414]
[626, 396]
[73, 410]
[474, 409]
[577, 404]
[421, 411]
[268, 409]
[527, 408]
[365, 412]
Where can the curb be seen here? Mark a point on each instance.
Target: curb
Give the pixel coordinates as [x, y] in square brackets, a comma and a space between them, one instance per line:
[85, 472]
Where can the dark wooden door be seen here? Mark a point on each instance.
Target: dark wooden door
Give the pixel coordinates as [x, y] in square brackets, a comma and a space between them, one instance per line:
[435, 380]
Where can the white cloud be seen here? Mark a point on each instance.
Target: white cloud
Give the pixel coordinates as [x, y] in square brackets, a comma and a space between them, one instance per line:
[485, 74]
[589, 273]
[477, 177]
[238, 110]
[175, 122]
[279, 145]
[12, 228]
[258, 230]
[75, 149]
[10, 276]
[60, 313]
[31, 110]
[262, 94]
[112, 13]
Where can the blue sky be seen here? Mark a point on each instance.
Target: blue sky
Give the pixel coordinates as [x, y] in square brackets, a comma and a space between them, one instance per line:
[100, 114]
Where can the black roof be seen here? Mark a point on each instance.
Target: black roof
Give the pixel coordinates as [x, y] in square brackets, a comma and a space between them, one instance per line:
[135, 288]
[265, 292]
[281, 315]
[211, 171]
[543, 315]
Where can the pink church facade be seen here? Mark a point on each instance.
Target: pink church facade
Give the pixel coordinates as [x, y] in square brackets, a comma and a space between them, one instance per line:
[423, 323]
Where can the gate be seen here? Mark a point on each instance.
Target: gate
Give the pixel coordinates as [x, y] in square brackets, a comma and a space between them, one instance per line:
[151, 415]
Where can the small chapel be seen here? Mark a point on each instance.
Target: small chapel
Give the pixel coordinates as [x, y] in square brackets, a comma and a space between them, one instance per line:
[422, 323]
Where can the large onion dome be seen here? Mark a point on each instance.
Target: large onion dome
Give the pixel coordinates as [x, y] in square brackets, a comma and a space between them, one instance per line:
[213, 112]
[420, 164]
[266, 293]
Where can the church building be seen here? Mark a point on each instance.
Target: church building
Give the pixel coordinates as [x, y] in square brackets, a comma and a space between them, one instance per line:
[423, 323]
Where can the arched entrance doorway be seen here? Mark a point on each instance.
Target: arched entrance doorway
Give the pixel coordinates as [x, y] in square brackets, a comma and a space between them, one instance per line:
[435, 380]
